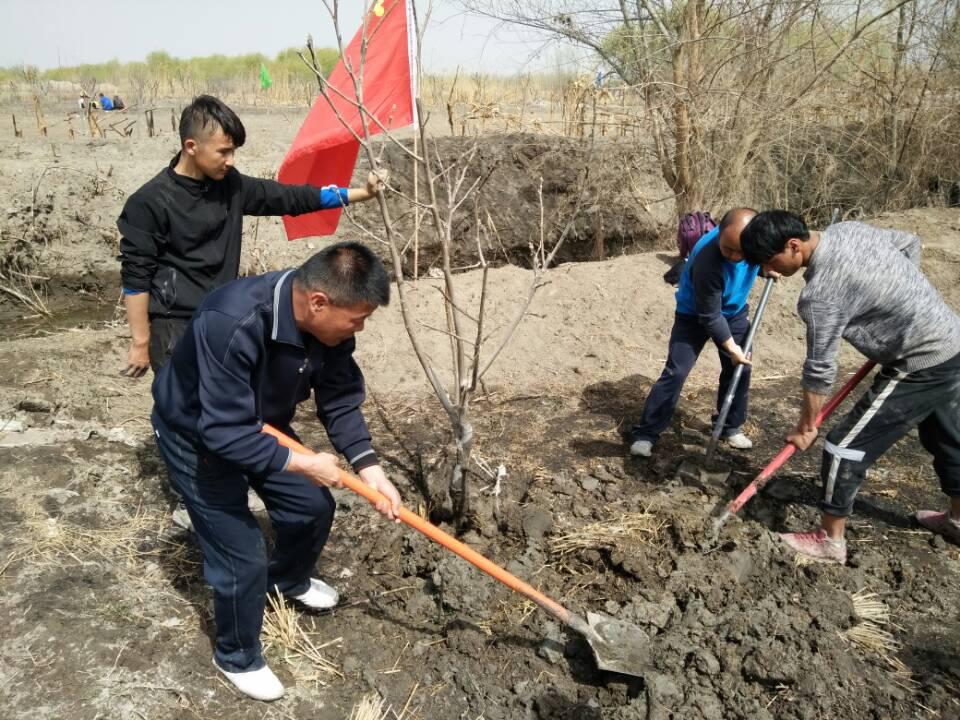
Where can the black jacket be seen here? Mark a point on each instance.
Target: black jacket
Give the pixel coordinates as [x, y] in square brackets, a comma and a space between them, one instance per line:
[243, 362]
[180, 237]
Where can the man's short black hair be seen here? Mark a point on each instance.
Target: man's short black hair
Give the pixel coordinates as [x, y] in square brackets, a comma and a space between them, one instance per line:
[767, 234]
[204, 115]
[349, 273]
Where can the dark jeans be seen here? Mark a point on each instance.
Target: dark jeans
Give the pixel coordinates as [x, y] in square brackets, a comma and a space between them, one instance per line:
[165, 333]
[896, 403]
[686, 341]
[234, 552]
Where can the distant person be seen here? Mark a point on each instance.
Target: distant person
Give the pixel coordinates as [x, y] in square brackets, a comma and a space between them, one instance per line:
[711, 305]
[864, 284]
[82, 101]
[254, 350]
[106, 104]
[118, 103]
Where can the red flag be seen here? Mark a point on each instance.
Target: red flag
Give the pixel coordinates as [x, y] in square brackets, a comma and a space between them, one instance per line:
[324, 151]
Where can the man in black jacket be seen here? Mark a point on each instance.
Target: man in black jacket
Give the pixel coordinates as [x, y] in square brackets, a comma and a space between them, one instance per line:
[181, 231]
[253, 351]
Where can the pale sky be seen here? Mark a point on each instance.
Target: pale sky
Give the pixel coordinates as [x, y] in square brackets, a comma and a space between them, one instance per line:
[46, 33]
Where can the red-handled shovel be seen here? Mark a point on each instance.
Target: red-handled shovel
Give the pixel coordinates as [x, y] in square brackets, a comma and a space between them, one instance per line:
[788, 450]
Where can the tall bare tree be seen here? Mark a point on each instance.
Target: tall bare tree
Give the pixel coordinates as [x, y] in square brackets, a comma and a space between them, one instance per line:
[447, 192]
[721, 83]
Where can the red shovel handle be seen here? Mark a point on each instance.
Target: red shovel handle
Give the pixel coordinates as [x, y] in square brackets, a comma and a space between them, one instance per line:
[789, 449]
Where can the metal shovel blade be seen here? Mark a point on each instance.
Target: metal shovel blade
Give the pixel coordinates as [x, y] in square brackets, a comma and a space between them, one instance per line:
[618, 646]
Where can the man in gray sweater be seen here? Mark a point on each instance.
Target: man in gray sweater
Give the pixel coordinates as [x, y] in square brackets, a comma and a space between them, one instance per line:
[864, 285]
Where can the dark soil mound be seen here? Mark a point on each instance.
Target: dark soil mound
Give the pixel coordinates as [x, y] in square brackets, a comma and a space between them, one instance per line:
[575, 182]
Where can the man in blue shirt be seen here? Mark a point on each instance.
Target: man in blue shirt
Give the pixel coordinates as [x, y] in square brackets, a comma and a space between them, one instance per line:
[711, 305]
[254, 350]
[106, 103]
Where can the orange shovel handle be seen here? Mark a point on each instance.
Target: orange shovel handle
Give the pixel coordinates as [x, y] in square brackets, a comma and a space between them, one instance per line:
[439, 536]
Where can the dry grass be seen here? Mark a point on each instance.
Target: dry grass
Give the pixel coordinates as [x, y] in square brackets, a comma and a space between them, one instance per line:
[371, 707]
[629, 530]
[867, 606]
[283, 631]
[871, 635]
[56, 542]
[508, 614]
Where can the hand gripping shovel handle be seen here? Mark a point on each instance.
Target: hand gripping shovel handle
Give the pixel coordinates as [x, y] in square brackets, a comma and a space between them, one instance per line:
[447, 541]
[789, 449]
[735, 381]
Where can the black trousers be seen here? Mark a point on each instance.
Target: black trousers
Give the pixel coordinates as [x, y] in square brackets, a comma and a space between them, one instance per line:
[165, 333]
[896, 403]
[686, 342]
[235, 561]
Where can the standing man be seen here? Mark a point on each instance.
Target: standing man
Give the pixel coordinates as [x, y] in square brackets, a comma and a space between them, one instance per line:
[864, 284]
[253, 351]
[711, 305]
[181, 231]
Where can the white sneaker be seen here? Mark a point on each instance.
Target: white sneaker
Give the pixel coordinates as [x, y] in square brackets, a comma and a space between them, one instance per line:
[259, 684]
[181, 518]
[320, 596]
[643, 448]
[254, 502]
[739, 441]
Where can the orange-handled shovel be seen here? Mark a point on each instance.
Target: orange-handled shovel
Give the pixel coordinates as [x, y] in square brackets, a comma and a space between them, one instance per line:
[617, 646]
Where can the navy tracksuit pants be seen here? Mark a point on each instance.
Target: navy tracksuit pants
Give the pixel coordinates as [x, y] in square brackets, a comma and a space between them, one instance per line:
[234, 551]
[686, 342]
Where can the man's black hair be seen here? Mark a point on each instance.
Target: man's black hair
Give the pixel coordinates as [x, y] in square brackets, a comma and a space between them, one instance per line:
[767, 234]
[204, 115]
[349, 273]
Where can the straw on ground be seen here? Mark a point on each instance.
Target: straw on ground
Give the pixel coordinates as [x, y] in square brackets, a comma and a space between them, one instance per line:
[627, 530]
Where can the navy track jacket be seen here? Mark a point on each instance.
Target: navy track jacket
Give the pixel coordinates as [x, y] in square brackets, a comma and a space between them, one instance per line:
[243, 363]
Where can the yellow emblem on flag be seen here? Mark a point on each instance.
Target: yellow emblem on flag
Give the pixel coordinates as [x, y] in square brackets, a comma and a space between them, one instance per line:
[378, 8]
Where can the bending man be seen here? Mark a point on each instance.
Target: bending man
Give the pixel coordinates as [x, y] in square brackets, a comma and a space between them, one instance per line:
[864, 284]
[253, 351]
[711, 305]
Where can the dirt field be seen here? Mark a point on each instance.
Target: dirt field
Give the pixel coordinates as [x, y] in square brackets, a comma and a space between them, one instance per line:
[105, 614]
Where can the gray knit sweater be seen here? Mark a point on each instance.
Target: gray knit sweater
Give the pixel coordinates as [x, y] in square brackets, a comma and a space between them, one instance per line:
[864, 284]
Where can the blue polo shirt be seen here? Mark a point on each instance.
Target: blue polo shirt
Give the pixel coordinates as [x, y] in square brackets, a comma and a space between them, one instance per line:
[243, 362]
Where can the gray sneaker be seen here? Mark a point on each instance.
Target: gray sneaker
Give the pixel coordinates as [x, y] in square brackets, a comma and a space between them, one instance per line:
[254, 502]
[641, 448]
[181, 518]
[738, 441]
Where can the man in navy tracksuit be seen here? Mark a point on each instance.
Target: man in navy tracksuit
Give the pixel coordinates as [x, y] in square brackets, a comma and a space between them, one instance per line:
[254, 350]
[711, 305]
